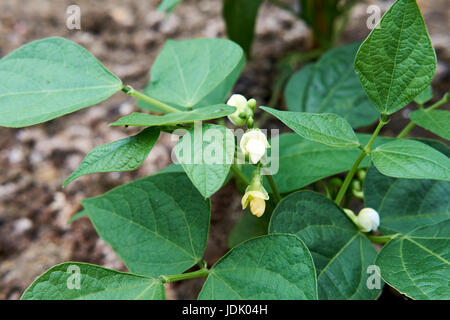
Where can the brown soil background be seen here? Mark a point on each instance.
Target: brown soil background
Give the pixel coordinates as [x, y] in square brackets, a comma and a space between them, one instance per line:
[126, 36]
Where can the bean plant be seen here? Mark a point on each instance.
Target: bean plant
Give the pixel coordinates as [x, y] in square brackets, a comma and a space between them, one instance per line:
[301, 238]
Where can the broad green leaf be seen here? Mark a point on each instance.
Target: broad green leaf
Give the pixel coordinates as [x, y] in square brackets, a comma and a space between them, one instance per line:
[331, 85]
[240, 18]
[189, 74]
[250, 226]
[149, 120]
[326, 128]
[96, 283]
[206, 154]
[341, 253]
[168, 5]
[48, 78]
[418, 263]
[437, 121]
[424, 96]
[273, 267]
[302, 162]
[121, 155]
[411, 160]
[397, 61]
[157, 225]
[405, 204]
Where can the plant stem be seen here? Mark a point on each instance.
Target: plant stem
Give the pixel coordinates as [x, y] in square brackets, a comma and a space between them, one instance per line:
[189, 275]
[348, 179]
[274, 188]
[375, 134]
[326, 189]
[406, 130]
[381, 239]
[154, 102]
[411, 124]
[238, 174]
[351, 173]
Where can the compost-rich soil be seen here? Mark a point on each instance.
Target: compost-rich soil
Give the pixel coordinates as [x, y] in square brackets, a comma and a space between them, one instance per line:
[126, 36]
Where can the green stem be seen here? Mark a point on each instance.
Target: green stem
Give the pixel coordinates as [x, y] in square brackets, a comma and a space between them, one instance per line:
[326, 189]
[381, 239]
[375, 134]
[184, 276]
[351, 173]
[349, 178]
[238, 174]
[411, 124]
[273, 186]
[406, 130]
[139, 95]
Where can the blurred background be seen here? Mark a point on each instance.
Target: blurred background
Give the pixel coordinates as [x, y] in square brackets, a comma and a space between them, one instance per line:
[126, 36]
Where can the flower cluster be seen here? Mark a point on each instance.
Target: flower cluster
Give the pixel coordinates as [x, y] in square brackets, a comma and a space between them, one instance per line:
[253, 145]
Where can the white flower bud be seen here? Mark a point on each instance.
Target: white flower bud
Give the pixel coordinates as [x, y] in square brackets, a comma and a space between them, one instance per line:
[368, 220]
[240, 102]
[254, 144]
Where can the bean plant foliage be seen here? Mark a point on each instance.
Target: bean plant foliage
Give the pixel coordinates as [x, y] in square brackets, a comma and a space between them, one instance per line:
[300, 240]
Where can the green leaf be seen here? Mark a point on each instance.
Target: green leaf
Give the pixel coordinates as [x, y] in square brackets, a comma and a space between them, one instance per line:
[397, 61]
[326, 128]
[412, 160]
[418, 263]
[240, 18]
[48, 78]
[206, 154]
[405, 204]
[157, 225]
[341, 253]
[424, 96]
[273, 267]
[168, 5]
[302, 162]
[96, 283]
[148, 120]
[247, 227]
[331, 86]
[194, 73]
[436, 121]
[121, 155]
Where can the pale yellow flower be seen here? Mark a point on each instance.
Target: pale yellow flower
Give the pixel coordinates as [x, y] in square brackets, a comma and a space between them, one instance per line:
[256, 195]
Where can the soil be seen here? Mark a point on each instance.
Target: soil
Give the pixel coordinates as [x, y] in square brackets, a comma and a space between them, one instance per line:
[126, 36]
